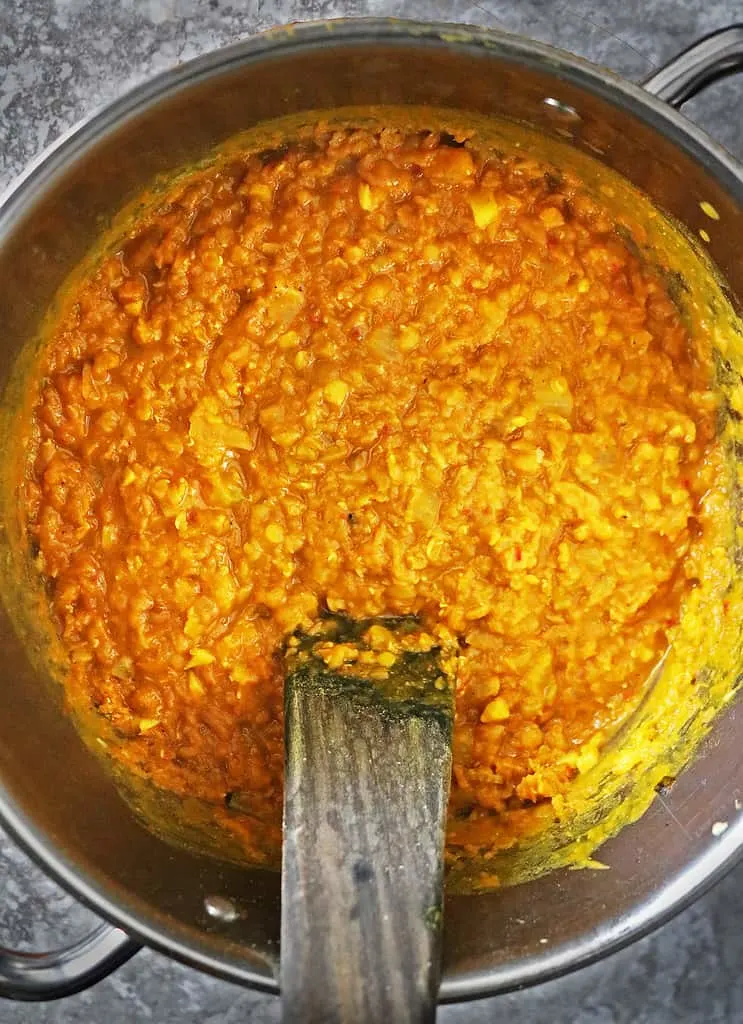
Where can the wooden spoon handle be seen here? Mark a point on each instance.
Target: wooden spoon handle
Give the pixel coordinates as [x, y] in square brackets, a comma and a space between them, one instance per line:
[364, 814]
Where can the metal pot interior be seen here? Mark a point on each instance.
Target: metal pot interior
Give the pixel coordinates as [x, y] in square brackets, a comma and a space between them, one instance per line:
[57, 798]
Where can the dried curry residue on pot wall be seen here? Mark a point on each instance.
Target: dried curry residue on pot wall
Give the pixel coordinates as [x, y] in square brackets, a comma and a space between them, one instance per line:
[388, 370]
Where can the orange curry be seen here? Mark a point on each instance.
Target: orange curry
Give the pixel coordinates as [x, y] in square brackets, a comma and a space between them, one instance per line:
[378, 373]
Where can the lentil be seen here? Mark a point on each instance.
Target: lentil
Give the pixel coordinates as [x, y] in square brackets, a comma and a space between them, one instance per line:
[380, 375]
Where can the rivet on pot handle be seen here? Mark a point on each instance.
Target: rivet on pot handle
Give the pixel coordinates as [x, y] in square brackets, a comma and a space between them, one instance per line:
[715, 56]
[33, 977]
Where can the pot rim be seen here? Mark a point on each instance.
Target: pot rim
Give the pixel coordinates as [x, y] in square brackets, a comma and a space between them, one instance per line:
[721, 853]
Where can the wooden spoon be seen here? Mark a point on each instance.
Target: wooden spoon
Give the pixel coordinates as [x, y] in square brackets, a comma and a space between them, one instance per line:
[369, 708]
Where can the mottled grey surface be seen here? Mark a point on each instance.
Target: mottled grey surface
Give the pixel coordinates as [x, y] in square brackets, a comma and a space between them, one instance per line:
[58, 61]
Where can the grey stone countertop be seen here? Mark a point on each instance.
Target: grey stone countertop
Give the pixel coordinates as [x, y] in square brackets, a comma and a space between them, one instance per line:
[59, 59]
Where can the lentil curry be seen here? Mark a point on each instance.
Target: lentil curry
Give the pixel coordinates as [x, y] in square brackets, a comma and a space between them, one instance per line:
[373, 371]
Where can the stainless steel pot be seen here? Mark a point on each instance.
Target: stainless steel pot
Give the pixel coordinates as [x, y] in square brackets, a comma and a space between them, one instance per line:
[54, 795]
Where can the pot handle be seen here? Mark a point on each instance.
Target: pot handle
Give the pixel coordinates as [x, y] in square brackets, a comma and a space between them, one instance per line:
[715, 56]
[33, 977]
